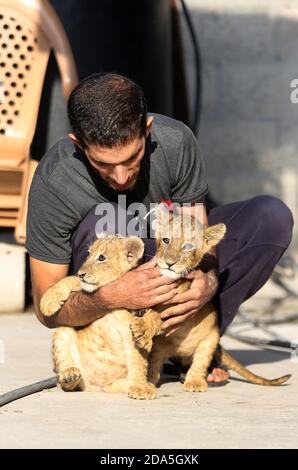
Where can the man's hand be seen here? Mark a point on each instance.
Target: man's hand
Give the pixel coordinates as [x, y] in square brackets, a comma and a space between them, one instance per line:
[203, 288]
[139, 288]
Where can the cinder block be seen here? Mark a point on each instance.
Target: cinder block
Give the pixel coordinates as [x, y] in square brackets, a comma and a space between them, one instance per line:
[282, 183]
[231, 149]
[210, 88]
[228, 35]
[247, 6]
[12, 279]
[251, 90]
[289, 143]
[211, 78]
[244, 185]
[285, 35]
[232, 146]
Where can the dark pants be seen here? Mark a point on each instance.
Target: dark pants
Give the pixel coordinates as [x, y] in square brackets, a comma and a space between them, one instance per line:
[259, 230]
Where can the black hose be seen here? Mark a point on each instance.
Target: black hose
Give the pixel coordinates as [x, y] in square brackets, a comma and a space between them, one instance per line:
[27, 390]
[198, 80]
[285, 345]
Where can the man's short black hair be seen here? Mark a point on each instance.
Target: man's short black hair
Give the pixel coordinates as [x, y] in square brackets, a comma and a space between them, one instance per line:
[107, 109]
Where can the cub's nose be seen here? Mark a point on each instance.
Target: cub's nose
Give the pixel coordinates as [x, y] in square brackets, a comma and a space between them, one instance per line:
[81, 275]
[170, 263]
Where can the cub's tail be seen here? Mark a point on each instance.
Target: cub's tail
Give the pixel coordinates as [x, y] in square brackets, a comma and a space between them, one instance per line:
[227, 360]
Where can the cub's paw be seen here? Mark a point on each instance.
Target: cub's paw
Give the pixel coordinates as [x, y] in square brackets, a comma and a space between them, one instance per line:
[141, 336]
[53, 299]
[197, 385]
[142, 392]
[69, 378]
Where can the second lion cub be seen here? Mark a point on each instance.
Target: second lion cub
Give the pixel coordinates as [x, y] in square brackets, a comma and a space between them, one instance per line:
[178, 253]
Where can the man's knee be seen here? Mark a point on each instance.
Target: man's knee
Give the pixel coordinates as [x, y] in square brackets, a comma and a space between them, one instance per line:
[275, 217]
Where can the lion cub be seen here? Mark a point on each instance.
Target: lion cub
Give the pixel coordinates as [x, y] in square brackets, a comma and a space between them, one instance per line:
[179, 251]
[102, 355]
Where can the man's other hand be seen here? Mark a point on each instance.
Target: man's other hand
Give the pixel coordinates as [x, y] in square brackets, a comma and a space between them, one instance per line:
[188, 303]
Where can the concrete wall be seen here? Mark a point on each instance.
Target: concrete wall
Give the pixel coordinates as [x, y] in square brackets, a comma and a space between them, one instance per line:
[249, 127]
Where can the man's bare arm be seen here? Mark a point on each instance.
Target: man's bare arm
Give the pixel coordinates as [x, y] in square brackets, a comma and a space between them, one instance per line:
[137, 289]
[80, 309]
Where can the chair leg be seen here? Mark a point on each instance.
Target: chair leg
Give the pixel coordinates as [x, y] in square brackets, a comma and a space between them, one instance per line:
[20, 230]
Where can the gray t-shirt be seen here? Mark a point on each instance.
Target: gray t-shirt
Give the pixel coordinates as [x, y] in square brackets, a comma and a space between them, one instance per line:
[65, 187]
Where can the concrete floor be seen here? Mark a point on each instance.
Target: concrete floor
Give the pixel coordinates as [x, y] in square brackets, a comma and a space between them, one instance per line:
[238, 415]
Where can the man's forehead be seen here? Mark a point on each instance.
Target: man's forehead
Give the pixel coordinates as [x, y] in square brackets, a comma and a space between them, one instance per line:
[117, 154]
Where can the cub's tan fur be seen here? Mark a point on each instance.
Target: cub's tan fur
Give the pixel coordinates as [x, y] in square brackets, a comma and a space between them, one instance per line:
[103, 355]
[178, 252]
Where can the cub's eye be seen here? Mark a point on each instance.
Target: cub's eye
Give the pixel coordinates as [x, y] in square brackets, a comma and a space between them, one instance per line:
[166, 240]
[101, 258]
[189, 246]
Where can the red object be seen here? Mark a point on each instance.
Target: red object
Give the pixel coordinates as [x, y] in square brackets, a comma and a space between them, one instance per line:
[168, 203]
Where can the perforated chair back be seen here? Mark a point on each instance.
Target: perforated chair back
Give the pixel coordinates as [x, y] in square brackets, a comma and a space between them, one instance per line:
[29, 29]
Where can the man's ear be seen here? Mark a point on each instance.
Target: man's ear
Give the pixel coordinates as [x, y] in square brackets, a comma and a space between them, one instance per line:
[134, 248]
[150, 120]
[75, 140]
[212, 235]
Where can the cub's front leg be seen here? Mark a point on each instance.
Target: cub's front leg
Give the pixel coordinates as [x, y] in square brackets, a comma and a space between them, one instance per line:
[144, 329]
[196, 377]
[54, 298]
[138, 386]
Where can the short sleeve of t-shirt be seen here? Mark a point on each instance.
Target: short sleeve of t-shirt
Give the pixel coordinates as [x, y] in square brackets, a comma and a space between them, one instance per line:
[50, 222]
[190, 180]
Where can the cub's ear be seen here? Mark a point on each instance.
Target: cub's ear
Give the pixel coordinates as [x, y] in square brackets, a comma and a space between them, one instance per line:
[134, 248]
[214, 234]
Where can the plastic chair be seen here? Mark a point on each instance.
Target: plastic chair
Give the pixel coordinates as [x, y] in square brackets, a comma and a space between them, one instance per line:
[29, 30]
